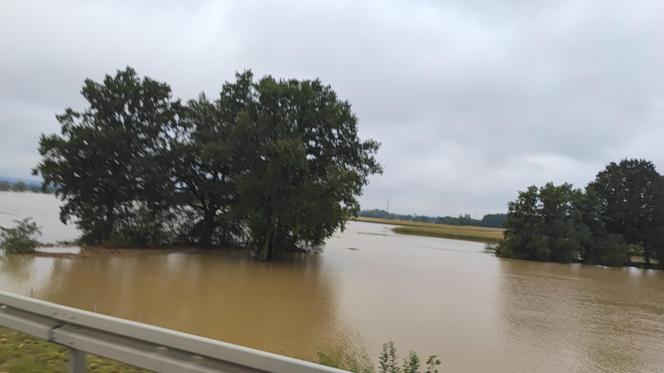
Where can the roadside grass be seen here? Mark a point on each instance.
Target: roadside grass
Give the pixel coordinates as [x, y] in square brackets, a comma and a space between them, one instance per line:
[456, 232]
[20, 353]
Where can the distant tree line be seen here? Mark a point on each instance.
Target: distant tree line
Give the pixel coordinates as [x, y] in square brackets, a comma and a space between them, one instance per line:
[618, 215]
[22, 186]
[269, 164]
[489, 220]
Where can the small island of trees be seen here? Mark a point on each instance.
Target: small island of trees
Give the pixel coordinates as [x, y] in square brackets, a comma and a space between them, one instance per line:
[620, 214]
[270, 165]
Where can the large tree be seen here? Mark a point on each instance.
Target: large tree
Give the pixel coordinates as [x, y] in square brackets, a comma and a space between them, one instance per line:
[523, 228]
[109, 164]
[657, 235]
[303, 164]
[622, 209]
[562, 221]
[275, 163]
[627, 195]
[545, 223]
[204, 168]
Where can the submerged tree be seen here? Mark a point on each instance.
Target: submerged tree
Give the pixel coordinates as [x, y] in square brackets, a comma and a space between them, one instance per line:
[621, 211]
[545, 224]
[303, 164]
[109, 163]
[523, 228]
[277, 164]
[627, 192]
[204, 168]
[563, 226]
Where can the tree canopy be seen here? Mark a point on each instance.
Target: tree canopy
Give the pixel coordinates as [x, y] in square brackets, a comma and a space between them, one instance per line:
[620, 213]
[270, 164]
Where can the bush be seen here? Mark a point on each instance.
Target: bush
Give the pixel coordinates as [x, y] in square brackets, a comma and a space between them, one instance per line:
[610, 251]
[357, 361]
[387, 362]
[20, 239]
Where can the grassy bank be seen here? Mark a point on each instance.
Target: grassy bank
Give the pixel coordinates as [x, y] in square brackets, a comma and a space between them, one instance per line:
[21, 353]
[457, 232]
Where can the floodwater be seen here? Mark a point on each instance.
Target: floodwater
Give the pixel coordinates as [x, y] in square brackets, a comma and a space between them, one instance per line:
[434, 296]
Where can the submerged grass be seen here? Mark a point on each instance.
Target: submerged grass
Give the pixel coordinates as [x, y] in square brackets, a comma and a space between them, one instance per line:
[21, 353]
[457, 232]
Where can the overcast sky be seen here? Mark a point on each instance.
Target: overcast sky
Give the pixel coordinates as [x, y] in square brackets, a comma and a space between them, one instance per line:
[472, 100]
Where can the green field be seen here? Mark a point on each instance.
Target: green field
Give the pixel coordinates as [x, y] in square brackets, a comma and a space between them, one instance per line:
[21, 353]
[457, 232]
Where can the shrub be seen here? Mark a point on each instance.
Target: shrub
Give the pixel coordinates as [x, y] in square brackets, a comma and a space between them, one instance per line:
[357, 361]
[610, 251]
[387, 361]
[21, 238]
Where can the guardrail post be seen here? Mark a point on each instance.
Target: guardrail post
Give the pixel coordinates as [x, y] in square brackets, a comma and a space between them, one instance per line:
[76, 361]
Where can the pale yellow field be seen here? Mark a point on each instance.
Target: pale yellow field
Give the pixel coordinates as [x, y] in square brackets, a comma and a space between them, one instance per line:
[459, 232]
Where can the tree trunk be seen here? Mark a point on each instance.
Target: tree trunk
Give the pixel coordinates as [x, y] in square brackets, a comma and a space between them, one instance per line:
[107, 229]
[208, 229]
[265, 246]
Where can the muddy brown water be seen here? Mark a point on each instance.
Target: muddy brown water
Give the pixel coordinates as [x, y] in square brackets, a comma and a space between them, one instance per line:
[434, 296]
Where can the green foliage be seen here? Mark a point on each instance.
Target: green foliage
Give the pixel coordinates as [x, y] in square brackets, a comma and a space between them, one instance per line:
[623, 206]
[608, 250]
[303, 163]
[411, 364]
[274, 164]
[493, 220]
[357, 361]
[432, 363]
[387, 361]
[523, 234]
[629, 194]
[21, 238]
[110, 160]
[20, 353]
[563, 226]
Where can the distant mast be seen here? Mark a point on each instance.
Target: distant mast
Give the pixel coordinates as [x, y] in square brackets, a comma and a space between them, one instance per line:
[387, 205]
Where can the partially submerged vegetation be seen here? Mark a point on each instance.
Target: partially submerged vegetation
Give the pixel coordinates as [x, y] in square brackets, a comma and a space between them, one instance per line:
[20, 239]
[388, 361]
[269, 164]
[619, 215]
[457, 232]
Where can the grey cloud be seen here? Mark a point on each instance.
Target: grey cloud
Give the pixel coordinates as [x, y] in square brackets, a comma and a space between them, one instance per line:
[472, 100]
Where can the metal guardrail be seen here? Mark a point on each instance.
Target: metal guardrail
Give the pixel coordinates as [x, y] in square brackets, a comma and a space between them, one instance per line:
[145, 346]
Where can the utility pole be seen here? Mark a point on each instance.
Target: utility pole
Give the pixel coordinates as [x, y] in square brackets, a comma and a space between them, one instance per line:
[387, 205]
